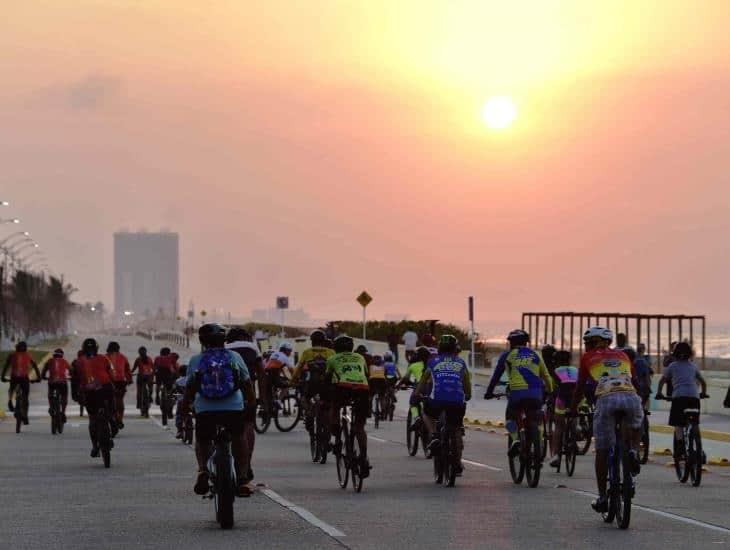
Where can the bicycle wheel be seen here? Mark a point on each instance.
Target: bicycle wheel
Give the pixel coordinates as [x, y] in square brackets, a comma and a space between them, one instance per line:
[391, 407]
[614, 501]
[694, 456]
[450, 460]
[570, 449]
[623, 510]
[680, 463]
[314, 443]
[533, 460]
[288, 416]
[585, 428]
[543, 440]
[189, 430]
[341, 460]
[412, 435]
[263, 419]
[516, 464]
[224, 494]
[376, 411]
[355, 463]
[322, 438]
[644, 446]
[54, 424]
[163, 410]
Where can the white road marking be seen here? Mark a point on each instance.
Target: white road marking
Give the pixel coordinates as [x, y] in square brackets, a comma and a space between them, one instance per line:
[378, 439]
[303, 513]
[668, 515]
[480, 465]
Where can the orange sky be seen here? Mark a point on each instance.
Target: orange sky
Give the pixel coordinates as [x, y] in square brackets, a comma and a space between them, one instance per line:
[318, 148]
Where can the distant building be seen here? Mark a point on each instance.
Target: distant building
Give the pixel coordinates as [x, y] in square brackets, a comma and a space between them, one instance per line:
[146, 274]
[292, 317]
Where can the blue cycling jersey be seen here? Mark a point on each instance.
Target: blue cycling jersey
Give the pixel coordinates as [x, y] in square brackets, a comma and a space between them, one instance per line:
[447, 373]
[390, 370]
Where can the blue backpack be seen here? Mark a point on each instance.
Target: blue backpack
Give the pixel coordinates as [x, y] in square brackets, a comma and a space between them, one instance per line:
[216, 374]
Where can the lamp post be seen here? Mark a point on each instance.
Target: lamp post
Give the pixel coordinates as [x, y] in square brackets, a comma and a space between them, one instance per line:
[25, 247]
[14, 235]
[9, 220]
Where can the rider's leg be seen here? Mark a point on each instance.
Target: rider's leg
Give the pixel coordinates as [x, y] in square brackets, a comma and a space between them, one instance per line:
[555, 443]
[601, 471]
[25, 388]
[249, 434]
[239, 447]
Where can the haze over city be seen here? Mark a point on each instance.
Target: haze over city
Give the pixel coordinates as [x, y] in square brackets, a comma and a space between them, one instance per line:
[318, 149]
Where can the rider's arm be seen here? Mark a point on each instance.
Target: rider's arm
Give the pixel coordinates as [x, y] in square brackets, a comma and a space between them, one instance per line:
[703, 384]
[135, 366]
[6, 366]
[466, 380]
[546, 377]
[579, 387]
[497, 374]
[425, 381]
[37, 372]
[44, 372]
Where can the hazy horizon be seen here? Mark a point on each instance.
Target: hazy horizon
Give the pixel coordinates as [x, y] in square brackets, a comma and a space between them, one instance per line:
[318, 149]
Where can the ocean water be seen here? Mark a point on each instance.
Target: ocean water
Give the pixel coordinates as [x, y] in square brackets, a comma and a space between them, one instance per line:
[717, 339]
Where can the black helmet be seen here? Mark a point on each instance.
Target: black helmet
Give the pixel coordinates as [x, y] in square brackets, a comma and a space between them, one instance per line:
[142, 351]
[318, 337]
[113, 347]
[362, 348]
[343, 343]
[682, 351]
[548, 349]
[238, 334]
[212, 335]
[21, 346]
[562, 358]
[423, 354]
[58, 352]
[90, 347]
[183, 370]
[165, 351]
[448, 343]
[518, 337]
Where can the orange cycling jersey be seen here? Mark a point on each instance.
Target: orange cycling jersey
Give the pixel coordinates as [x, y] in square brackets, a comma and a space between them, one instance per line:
[610, 369]
[377, 372]
[57, 368]
[278, 360]
[145, 366]
[96, 372]
[20, 362]
[120, 367]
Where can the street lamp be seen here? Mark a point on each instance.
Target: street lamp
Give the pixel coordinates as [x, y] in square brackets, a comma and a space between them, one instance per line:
[25, 247]
[4, 203]
[14, 235]
[9, 220]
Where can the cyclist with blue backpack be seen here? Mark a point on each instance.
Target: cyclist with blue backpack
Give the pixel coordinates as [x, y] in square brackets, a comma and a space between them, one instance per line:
[219, 382]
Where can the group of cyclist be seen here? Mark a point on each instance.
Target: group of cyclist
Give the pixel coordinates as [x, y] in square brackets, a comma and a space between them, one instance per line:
[221, 381]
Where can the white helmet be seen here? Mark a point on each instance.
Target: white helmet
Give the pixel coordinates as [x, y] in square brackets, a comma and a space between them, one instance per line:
[600, 332]
[388, 355]
[285, 346]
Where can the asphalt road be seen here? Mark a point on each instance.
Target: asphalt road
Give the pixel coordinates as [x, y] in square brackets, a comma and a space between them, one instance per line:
[55, 495]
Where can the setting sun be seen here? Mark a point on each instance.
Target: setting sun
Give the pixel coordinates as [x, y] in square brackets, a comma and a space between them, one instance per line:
[499, 112]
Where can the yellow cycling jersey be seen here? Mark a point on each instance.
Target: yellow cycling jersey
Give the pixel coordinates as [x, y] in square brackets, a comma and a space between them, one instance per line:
[377, 372]
[525, 370]
[348, 369]
[310, 355]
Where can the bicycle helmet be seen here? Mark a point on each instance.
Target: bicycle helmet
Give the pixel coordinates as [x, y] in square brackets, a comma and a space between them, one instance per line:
[448, 344]
[598, 332]
[318, 338]
[423, 354]
[343, 343]
[518, 337]
[142, 351]
[361, 349]
[238, 334]
[286, 346]
[90, 347]
[388, 356]
[58, 352]
[377, 360]
[113, 347]
[165, 351]
[21, 346]
[211, 335]
[563, 358]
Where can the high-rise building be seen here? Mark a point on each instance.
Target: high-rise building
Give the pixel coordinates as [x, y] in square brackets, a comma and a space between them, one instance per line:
[146, 273]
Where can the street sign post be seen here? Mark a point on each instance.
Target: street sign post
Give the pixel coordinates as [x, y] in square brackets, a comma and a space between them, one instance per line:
[471, 331]
[282, 304]
[364, 300]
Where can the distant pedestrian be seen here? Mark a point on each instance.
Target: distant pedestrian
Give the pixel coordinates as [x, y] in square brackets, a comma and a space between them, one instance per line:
[410, 339]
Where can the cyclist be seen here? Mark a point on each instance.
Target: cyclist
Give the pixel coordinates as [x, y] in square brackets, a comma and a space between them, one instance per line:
[19, 363]
[121, 378]
[347, 373]
[613, 375]
[56, 371]
[450, 389]
[528, 380]
[178, 389]
[548, 352]
[164, 372]
[219, 383]
[567, 376]
[376, 378]
[310, 370]
[240, 341]
[145, 369]
[642, 366]
[392, 373]
[278, 362]
[685, 376]
[96, 384]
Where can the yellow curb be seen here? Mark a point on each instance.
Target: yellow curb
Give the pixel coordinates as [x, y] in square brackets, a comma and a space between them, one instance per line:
[706, 434]
[476, 421]
[2, 413]
[718, 461]
[662, 452]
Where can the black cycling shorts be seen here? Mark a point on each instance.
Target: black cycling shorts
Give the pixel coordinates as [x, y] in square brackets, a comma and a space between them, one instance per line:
[60, 386]
[120, 388]
[95, 399]
[360, 401]
[377, 386]
[207, 422]
[454, 411]
[676, 413]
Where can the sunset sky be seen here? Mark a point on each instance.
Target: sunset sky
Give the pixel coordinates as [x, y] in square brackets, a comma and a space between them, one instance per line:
[319, 148]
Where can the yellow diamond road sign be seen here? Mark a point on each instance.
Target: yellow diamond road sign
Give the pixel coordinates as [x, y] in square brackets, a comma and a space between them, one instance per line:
[364, 299]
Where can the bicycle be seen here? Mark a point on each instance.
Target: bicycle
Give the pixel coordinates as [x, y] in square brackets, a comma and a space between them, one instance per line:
[223, 488]
[584, 432]
[188, 428]
[689, 458]
[568, 444]
[349, 462]
[388, 404]
[545, 432]
[102, 429]
[21, 409]
[445, 458]
[56, 412]
[621, 485]
[318, 429]
[376, 410]
[167, 402]
[288, 413]
[416, 430]
[644, 443]
[528, 462]
[145, 401]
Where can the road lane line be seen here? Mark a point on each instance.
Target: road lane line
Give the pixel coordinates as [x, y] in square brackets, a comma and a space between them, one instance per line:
[303, 513]
[668, 515]
[480, 465]
[378, 439]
